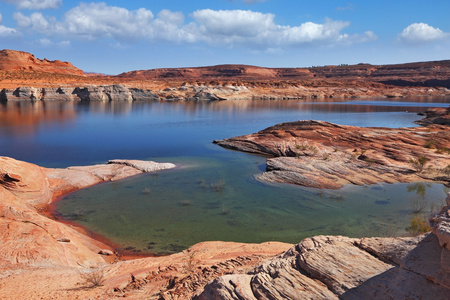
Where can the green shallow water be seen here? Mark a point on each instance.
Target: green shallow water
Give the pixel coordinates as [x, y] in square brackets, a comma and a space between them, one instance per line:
[219, 199]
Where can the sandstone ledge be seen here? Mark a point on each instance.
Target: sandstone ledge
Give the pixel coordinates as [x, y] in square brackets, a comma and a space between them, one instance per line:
[329, 267]
[29, 238]
[324, 155]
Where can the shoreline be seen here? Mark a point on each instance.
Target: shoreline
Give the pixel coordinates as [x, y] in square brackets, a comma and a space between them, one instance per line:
[119, 254]
[49, 211]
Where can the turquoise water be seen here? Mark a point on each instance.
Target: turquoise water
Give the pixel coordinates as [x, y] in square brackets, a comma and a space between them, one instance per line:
[213, 194]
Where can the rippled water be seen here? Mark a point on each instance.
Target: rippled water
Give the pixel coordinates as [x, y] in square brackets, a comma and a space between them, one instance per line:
[212, 195]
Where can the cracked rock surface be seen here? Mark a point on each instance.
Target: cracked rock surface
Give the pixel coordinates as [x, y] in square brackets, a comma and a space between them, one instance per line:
[335, 267]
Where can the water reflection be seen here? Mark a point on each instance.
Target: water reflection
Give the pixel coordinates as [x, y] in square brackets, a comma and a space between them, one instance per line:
[418, 201]
[22, 117]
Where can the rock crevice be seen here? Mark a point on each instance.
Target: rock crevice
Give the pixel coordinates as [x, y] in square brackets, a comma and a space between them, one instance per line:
[330, 267]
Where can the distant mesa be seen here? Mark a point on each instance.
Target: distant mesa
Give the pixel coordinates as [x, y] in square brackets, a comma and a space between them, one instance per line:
[433, 73]
[25, 77]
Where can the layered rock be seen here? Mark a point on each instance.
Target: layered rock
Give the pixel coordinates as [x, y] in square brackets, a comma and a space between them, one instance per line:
[30, 238]
[325, 155]
[437, 115]
[91, 93]
[19, 69]
[12, 60]
[328, 267]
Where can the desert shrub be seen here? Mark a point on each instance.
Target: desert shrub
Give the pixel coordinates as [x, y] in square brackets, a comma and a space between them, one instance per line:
[307, 149]
[418, 225]
[430, 144]
[419, 163]
[446, 170]
[190, 263]
[93, 278]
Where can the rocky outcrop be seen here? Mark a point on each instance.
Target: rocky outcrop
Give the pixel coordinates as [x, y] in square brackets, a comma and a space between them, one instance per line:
[12, 60]
[329, 267]
[29, 238]
[144, 166]
[205, 96]
[325, 155]
[21, 93]
[91, 93]
[437, 115]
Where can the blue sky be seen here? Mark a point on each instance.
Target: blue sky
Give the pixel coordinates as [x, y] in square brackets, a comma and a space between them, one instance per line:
[118, 36]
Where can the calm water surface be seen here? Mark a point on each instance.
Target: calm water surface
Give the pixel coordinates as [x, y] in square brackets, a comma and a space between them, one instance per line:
[213, 194]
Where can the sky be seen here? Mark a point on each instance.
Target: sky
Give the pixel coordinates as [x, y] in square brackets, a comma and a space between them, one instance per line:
[115, 36]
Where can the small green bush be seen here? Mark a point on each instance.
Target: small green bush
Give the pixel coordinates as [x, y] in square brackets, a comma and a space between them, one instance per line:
[418, 225]
[419, 163]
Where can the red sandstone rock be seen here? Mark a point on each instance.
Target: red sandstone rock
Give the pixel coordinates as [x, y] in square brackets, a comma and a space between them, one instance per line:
[325, 155]
[11, 60]
[21, 69]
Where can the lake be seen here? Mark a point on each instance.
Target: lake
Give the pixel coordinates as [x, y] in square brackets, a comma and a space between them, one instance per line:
[213, 194]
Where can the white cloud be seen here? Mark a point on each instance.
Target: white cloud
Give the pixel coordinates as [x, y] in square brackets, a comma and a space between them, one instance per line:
[97, 20]
[36, 22]
[238, 27]
[46, 43]
[6, 31]
[238, 23]
[421, 33]
[34, 4]
[214, 27]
